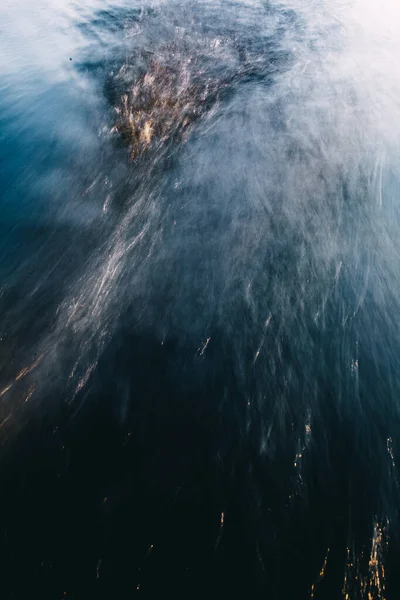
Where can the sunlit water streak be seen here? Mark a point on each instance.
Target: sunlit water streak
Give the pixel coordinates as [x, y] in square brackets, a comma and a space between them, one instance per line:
[236, 264]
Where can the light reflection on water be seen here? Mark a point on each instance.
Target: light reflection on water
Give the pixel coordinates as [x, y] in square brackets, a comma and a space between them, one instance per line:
[224, 294]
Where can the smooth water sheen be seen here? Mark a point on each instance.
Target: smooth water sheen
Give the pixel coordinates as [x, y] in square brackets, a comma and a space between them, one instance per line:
[199, 299]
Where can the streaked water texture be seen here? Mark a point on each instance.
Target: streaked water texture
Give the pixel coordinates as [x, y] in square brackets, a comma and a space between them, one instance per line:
[199, 299]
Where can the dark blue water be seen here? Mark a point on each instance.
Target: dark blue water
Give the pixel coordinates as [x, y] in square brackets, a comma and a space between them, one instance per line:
[199, 299]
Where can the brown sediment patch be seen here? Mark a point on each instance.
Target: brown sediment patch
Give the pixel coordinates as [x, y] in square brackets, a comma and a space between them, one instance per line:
[163, 101]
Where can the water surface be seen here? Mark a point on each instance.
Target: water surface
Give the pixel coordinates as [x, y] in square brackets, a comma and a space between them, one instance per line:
[199, 299]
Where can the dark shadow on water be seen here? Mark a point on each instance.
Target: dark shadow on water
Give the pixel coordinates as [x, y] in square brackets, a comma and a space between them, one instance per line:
[128, 493]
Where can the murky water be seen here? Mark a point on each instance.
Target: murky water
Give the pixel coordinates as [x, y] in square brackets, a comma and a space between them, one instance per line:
[199, 299]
